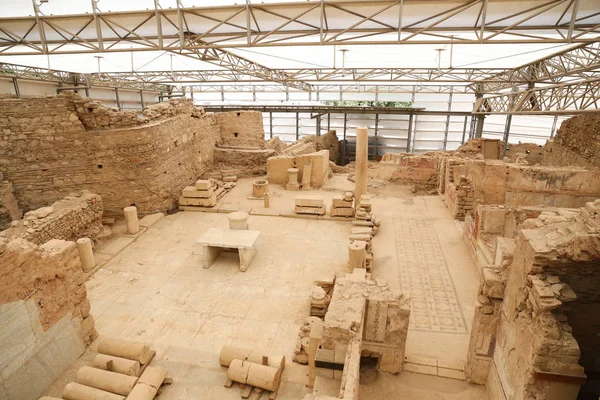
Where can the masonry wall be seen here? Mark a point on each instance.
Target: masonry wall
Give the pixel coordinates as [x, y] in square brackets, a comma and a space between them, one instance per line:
[46, 314]
[577, 142]
[9, 207]
[53, 146]
[241, 129]
[496, 182]
[75, 216]
[543, 341]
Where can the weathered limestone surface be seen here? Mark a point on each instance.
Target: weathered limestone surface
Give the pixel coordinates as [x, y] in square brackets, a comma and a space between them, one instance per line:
[418, 170]
[241, 129]
[370, 311]
[577, 142]
[75, 216]
[9, 207]
[555, 263]
[49, 323]
[277, 167]
[50, 147]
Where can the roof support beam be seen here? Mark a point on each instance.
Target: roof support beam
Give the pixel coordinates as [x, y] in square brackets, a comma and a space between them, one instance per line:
[306, 23]
[566, 98]
[579, 62]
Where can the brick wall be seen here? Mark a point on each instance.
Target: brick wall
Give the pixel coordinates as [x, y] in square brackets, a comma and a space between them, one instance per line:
[75, 216]
[47, 153]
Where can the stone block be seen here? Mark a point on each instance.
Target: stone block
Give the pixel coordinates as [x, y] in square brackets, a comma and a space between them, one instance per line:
[309, 201]
[341, 202]
[341, 211]
[310, 210]
[191, 191]
[199, 202]
[203, 184]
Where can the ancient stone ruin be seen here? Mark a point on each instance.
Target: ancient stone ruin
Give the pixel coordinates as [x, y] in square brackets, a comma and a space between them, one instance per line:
[175, 253]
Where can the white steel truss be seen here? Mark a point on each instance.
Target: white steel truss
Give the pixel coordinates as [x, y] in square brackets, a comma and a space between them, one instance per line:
[314, 75]
[580, 63]
[336, 88]
[302, 23]
[24, 72]
[566, 98]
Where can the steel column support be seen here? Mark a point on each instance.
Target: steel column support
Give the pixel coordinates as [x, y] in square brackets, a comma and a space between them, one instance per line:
[506, 134]
[553, 126]
[464, 131]
[479, 125]
[376, 130]
[271, 125]
[192, 94]
[414, 135]
[447, 120]
[222, 94]
[409, 133]
[16, 86]
[297, 126]
[472, 127]
[345, 141]
[117, 98]
[142, 99]
[328, 122]
[318, 125]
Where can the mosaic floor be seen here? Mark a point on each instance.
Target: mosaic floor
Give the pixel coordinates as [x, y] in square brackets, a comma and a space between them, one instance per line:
[424, 274]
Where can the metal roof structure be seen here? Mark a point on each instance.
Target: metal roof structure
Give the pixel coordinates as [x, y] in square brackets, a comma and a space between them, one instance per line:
[321, 22]
[560, 83]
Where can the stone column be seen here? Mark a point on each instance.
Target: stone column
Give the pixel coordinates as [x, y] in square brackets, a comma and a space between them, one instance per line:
[86, 255]
[362, 156]
[306, 172]
[131, 218]
[292, 179]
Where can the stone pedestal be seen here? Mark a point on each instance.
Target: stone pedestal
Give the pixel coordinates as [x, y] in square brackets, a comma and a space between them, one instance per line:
[306, 172]
[362, 156]
[266, 199]
[238, 220]
[86, 254]
[357, 254]
[292, 179]
[131, 219]
[259, 188]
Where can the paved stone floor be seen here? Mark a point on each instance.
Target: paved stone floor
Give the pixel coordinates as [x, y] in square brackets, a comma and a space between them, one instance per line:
[155, 291]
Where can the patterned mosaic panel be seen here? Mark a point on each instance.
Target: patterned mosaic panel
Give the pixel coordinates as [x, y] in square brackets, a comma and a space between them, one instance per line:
[424, 274]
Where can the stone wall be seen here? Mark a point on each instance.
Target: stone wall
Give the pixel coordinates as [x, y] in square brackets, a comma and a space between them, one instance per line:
[47, 153]
[534, 328]
[277, 167]
[9, 207]
[75, 216]
[417, 170]
[241, 129]
[46, 314]
[577, 142]
[496, 182]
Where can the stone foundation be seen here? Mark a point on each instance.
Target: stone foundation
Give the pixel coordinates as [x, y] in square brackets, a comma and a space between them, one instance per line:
[75, 216]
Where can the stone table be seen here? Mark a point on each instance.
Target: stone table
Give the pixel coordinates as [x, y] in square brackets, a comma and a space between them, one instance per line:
[214, 240]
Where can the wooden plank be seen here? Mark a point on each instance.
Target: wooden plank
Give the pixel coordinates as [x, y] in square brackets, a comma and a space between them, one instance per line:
[246, 392]
[228, 383]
